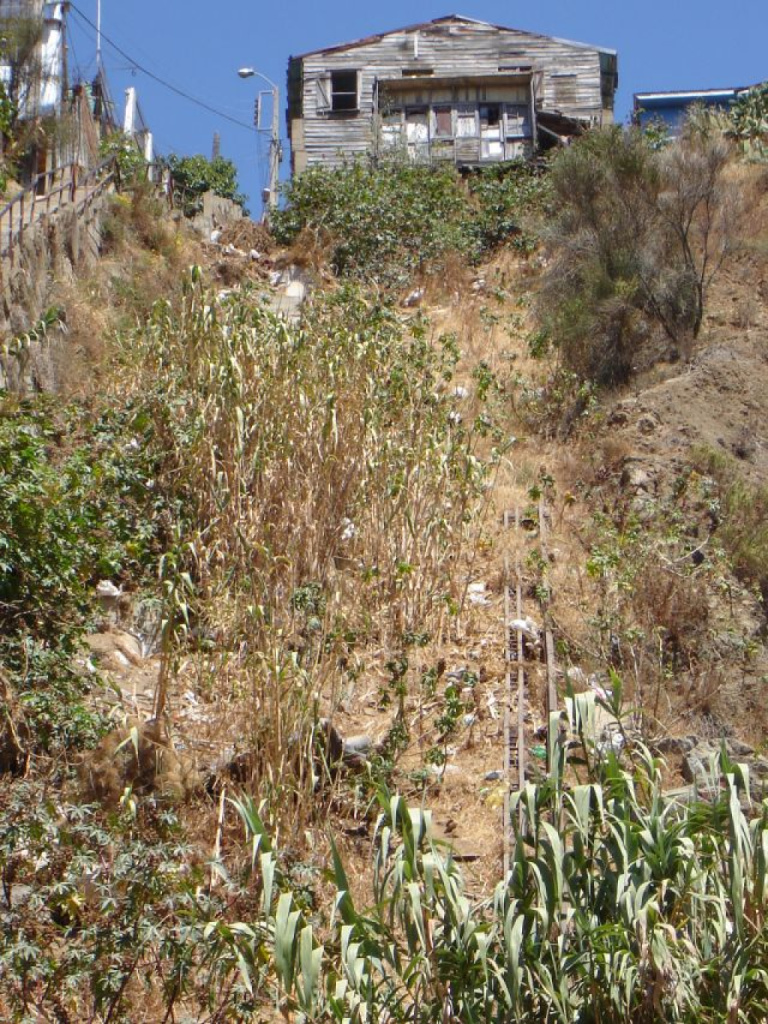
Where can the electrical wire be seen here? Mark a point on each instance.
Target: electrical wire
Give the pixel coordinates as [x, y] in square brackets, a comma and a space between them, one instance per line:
[74, 59]
[161, 81]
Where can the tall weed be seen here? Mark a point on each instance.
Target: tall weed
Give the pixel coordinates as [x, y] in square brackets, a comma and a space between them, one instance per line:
[325, 489]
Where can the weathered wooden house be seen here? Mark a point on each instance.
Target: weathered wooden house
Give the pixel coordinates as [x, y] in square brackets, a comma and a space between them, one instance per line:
[451, 89]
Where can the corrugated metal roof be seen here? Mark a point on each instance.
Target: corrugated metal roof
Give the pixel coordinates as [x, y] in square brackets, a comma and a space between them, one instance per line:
[446, 19]
[688, 94]
[691, 94]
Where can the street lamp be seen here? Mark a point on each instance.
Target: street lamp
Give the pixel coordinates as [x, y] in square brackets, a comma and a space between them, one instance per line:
[275, 149]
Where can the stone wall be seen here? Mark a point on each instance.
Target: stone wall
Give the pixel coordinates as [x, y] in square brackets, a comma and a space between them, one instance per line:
[54, 248]
[217, 213]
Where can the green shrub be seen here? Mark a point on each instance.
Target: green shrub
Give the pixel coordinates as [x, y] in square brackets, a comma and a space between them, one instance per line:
[389, 219]
[740, 517]
[636, 239]
[75, 507]
[384, 220]
[131, 165]
[749, 121]
[505, 199]
[193, 176]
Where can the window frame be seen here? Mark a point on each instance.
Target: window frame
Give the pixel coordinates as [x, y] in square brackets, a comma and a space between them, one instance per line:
[335, 92]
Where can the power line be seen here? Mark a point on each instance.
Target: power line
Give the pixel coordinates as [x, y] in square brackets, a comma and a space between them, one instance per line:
[161, 81]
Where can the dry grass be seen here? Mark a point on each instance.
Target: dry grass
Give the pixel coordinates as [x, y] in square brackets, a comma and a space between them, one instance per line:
[329, 499]
[144, 253]
[312, 250]
[138, 758]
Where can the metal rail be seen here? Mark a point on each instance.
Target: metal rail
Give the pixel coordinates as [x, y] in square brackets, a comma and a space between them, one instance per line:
[549, 644]
[515, 752]
[48, 192]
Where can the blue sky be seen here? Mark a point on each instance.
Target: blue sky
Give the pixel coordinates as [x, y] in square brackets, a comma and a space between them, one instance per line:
[198, 46]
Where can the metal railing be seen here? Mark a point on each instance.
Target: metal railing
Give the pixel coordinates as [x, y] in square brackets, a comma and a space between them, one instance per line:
[52, 190]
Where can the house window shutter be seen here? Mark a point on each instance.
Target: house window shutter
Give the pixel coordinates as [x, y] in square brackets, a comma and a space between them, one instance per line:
[323, 84]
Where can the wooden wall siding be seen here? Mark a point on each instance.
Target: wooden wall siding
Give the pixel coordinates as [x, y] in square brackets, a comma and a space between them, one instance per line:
[567, 78]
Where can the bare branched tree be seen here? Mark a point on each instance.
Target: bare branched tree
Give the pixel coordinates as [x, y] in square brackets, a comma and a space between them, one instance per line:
[697, 208]
[638, 236]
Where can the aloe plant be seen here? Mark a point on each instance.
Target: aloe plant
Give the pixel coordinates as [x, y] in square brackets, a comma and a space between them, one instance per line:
[622, 904]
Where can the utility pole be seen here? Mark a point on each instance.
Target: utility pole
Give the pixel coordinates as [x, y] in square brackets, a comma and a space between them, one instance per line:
[275, 147]
[98, 36]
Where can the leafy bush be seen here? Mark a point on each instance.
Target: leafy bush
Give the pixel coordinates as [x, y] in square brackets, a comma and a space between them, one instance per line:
[90, 903]
[74, 508]
[740, 518]
[387, 220]
[384, 220]
[131, 165]
[749, 121]
[505, 199]
[193, 176]
[636, 240]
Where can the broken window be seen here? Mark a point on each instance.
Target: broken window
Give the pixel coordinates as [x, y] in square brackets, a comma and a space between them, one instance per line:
[609, 78]
[344, 90]
[490, 115]
[417, 132]
[416, 126]
[518, 119]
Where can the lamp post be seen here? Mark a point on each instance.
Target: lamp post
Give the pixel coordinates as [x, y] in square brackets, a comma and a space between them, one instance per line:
[275, 149]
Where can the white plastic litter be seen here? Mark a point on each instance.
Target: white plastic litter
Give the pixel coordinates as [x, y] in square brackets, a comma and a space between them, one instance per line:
[526, 626]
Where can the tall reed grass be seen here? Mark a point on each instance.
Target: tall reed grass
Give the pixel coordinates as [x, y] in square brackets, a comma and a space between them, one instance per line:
[325, 490]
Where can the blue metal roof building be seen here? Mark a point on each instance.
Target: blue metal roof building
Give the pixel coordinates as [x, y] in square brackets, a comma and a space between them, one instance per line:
[672, 108]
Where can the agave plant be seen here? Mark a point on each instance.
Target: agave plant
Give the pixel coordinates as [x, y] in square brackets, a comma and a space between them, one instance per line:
[621, 904]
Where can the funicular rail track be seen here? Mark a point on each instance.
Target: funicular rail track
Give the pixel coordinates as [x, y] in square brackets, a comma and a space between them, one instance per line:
[523, 641]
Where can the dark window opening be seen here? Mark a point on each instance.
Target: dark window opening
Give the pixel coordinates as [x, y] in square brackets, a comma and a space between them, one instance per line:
[490, 116]
[344, 90]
